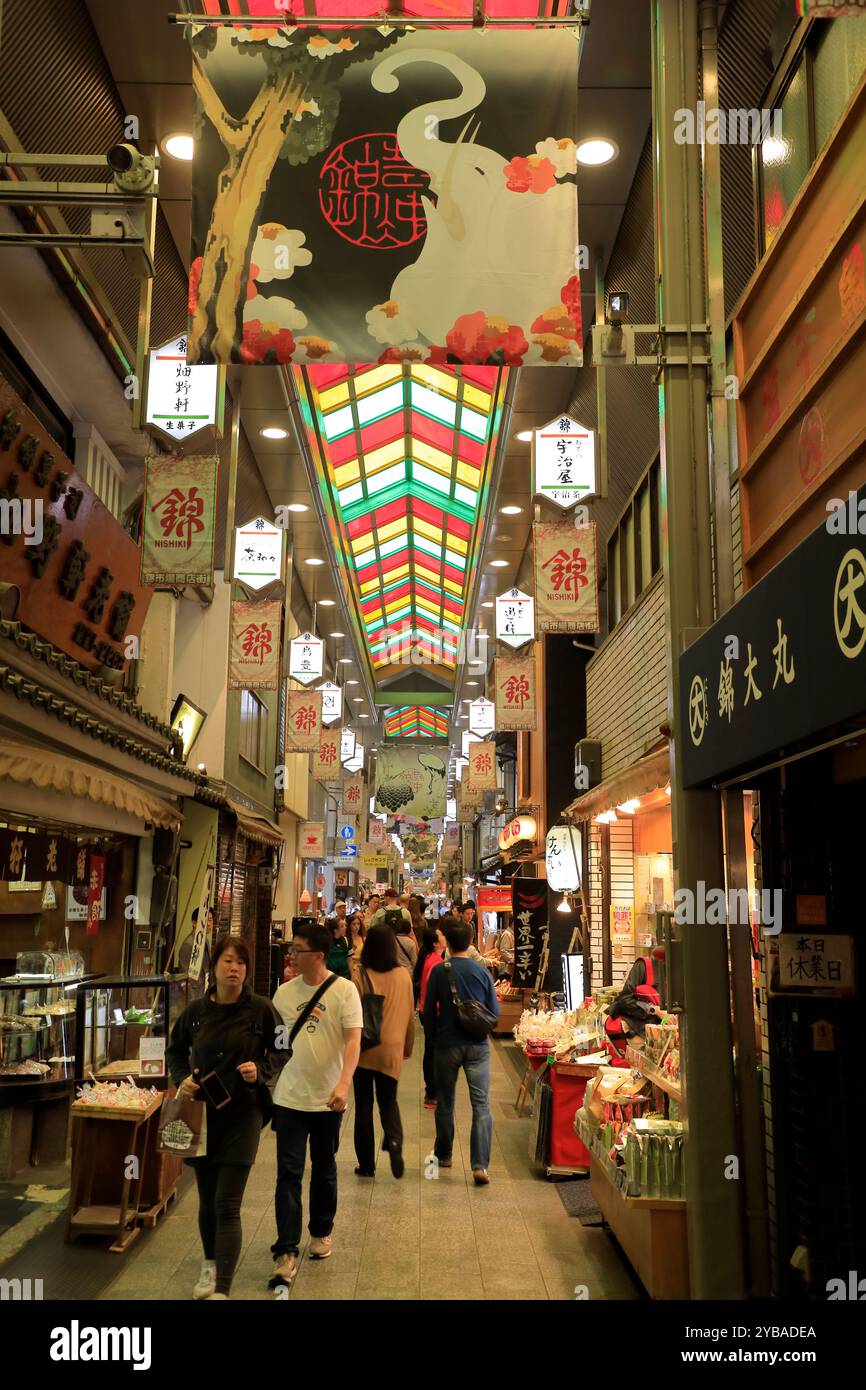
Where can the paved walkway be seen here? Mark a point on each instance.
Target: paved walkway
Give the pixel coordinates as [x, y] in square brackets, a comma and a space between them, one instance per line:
[413, 1239]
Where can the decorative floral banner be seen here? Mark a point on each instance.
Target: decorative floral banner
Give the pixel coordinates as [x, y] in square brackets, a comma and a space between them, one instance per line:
[254, 651]
[409, 237]
[411, 782]
[514, 689]
[177, 520]
[326, 758]
[303, 720]
[480, 774]
[566, 577]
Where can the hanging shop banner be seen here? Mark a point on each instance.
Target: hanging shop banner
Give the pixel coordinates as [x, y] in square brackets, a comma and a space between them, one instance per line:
[452, 837]
[303, 720]
[480, 774]
[347, 744]
[563, 462]
[326, 758]
[377, 835]
[467, 738]
[566, 577]
[353, 795]
[529, 906]
[258, 553]
[311, 840]
[332, 702]
[411, 782]
[563, 858]
[515, 618]
[482, 717]
[200, 941]
[514, 690]
[356, 762]
[178, 533]
[334, 221]
[306, 658]
[254, 652]
[180, 399]
[494, 898]
[95, 881]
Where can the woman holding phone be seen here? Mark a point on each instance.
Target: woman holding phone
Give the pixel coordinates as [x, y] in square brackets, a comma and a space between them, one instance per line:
[223, 1051]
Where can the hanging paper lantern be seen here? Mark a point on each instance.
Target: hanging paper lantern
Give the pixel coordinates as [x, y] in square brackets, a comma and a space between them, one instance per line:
[563, 857]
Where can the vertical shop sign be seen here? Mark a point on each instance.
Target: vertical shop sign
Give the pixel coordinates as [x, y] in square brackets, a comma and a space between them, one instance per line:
[566, 577]
[200, 942]
[621, 925]
[514, 691]
[181, 400]
[482, 717]
[481, 773]
[563, 462]
[312, 840]
[326, 758]
[303, 720]
[332, 702]
[254, 660]
[353, 795]
[258, 553]
[529, 909]
[306, 658]
[178, 533]
[95, 883]
[515, 618]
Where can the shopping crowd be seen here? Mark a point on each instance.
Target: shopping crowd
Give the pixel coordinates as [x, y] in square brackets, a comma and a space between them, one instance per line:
[344, 1016]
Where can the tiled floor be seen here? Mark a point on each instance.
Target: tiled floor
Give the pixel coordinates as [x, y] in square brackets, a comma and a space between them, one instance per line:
[413, 1239]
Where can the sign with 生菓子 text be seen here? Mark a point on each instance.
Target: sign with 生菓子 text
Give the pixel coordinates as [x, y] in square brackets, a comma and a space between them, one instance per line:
[563, 462]
[178, 530]
[181, 400]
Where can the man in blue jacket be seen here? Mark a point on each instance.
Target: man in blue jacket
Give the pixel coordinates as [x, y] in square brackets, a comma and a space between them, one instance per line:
[454, 1052]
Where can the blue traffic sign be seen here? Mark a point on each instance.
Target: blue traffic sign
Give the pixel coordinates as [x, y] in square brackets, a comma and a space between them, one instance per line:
[347, 832]
[349, 852]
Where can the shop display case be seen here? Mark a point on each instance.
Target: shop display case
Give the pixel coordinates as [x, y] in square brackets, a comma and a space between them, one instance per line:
[37, 1018]
[115, 1015]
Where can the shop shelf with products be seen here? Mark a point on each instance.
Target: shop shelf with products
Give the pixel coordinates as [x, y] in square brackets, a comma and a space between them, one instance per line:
[115, 1015]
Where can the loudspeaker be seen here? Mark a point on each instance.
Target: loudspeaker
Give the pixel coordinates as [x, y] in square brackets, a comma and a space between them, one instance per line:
[587, 765]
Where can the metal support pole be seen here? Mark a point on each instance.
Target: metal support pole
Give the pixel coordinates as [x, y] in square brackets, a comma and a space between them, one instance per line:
[600, 383]
[145, 305]
[714, 1203]
[232, 482]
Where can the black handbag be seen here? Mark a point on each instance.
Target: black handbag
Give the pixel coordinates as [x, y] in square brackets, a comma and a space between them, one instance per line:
[473, 1018]
[372, 1006]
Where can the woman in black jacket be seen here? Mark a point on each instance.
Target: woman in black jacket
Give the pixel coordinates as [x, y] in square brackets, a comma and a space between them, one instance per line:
[232, 1032]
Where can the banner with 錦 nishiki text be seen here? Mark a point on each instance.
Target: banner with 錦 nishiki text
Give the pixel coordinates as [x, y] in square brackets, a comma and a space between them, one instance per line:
[326, 758]
[177, 522]
[303, 720]
[566, 577]
[254, 651]
[514, 689]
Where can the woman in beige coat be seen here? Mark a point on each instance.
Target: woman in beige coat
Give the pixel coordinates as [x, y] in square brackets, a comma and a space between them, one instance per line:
[378, 972]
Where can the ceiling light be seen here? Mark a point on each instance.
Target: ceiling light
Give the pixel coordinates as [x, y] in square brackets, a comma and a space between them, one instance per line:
[363, 716]
[503, 540]
[274, 432]
[511, 511]
[297, 507]
[775, 151]
[313, 560]
[326, 603]
[179, 145]
[357, 699]
[351, 682]
[487, 605]
[525, 436]
[338, 634]
[564, 906]
[494, 564]
[629, 807]
[596, 151]
[667, 790]
[344, 661]
[472, 683]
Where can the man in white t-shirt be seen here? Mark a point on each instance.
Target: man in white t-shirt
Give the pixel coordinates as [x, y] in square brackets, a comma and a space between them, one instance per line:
[311, 1096]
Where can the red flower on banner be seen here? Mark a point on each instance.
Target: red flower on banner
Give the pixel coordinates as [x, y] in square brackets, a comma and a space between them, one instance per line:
[530, 174]
[479, 338]
[565, 319]
[194, 277]
[403, 354]
[262, 342]
[252, 291]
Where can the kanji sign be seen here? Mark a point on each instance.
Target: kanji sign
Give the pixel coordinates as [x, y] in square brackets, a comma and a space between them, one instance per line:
[811, 962]
[482, 717]
[621, 924]
[311, 840]
[326, 758]
[566, 577]
[515, 618]
[496, 898]
[177, 524]
[529, 908]
[180, 399]
[258, 552]
[377, 835]
[332, 702]
[303, 720]
[481, 772]
[563, 462]
[347, 744]
[254, 661]
[306, 657]
[95, 881]
[514, 691]
[353, 794]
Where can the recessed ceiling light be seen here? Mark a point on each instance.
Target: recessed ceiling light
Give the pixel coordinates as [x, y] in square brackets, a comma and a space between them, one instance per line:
[326, 603]
[474, 684]
[494, 564]
[344, 661]
[363, 716]
[596, 151]
[525, 436]
[274, 432]
[297, 507]
[511, 511]
[179, 145]
[338, 634]
[314, 560]
[351, 682]
[503, 540]
[487, 605]
[357, 699]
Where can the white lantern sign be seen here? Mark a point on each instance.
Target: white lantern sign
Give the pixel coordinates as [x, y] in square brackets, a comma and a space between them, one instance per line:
[181, 400]
[563, 462]
[562, 857]
[356, 762]
[258, 553]
[347, 745]
[482, 717]
[306, 657]
[515, 618]
[332, 704]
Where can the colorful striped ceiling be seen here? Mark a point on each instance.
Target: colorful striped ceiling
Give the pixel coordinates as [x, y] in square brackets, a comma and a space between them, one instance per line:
[435, 9]
[416, 721]
[404, 453]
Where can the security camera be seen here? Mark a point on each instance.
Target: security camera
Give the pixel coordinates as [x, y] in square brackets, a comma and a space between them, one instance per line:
[617, 308]
[133, 171]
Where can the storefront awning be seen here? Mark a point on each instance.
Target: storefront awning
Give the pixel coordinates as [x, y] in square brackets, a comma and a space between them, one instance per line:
[256, 827]
[640, 779]
[27, 765]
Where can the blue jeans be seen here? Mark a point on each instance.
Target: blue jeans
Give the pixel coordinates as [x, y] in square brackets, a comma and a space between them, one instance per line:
[294, 1128]
[474, 1060]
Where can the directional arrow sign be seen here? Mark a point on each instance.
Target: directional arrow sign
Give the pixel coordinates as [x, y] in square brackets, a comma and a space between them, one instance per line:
[349, 852]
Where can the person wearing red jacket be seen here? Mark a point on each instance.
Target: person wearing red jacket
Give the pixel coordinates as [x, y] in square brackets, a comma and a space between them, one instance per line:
[433, 946]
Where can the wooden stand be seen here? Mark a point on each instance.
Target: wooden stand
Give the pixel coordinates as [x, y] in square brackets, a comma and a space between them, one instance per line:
[651, 1231]
[124, 1134]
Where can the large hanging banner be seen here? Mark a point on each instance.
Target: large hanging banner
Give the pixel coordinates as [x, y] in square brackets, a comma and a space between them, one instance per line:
[423, 209]
[353, 794]
[566, 577]
[311, 840]
[411, 782]
[529, 909]
[326, 758]
[514, 689]
[480, 774]
[254, 651]
[177, 521]
[303, 720]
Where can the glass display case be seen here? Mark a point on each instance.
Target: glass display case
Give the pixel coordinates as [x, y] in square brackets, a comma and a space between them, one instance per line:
[114, 1016]
[37, 1017]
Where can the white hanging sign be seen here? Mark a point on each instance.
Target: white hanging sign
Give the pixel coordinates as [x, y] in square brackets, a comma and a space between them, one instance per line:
[563, 462]
[562, 858]
[482, 717]
[356, 762]
[515, 618]
[258, 552]
[332, 702]
[181, 400]
[306, 658]
[347, 744]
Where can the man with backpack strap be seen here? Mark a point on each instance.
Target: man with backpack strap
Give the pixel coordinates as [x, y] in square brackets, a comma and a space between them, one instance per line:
[391, 914]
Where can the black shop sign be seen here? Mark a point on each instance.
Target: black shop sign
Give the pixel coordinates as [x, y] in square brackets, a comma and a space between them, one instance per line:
[786, 662]
[529, 908]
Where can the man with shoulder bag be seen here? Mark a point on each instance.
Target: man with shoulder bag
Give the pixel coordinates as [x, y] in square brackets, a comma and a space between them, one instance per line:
[460, 1012]
[323, 1018]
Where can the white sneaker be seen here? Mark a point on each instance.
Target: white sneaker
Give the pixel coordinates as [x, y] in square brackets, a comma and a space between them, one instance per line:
[320, 1247]
[206, 1280]
[212, 1297]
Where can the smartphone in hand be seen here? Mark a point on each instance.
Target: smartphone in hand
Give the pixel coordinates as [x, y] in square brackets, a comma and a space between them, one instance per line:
[214, 1090]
